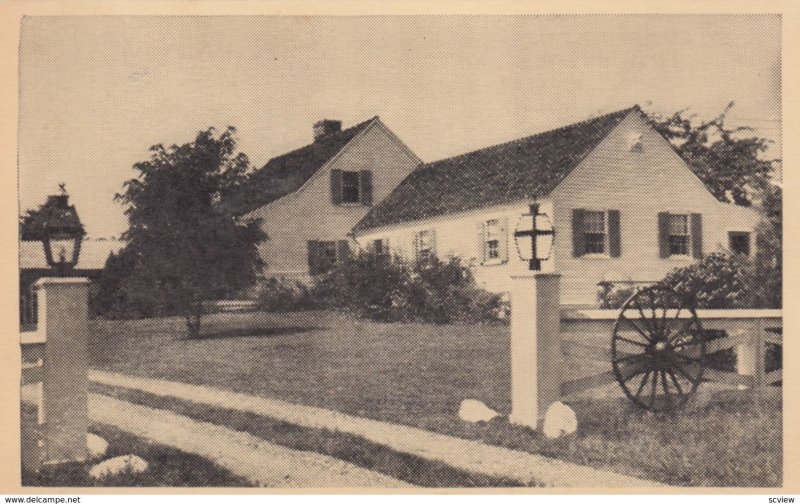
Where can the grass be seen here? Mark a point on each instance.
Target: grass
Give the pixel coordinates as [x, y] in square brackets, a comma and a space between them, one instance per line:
[168, 467]
[417, 374]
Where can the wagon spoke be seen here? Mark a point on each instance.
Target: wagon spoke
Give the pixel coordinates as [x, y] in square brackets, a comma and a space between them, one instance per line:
[643, 317]
[654, 316]
[674, 334]
[642, 384]
[653, 390]
[675, 381]
[633, 371]
[632, 324]
[627, 357]
[631, 341]
[665, 386]
[692, 379]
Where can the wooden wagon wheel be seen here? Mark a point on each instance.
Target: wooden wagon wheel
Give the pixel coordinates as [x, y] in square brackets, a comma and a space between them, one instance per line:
[658, 349]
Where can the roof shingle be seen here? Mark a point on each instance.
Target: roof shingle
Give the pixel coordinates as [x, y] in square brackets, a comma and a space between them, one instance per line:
[286, 173]
[527, 168]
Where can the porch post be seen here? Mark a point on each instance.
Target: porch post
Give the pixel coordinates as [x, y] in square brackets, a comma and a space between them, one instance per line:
[535, 346]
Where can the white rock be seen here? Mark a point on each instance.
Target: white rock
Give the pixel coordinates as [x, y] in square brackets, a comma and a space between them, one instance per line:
[96, 446]
[559, 421]
[472, 410]
[122, 464]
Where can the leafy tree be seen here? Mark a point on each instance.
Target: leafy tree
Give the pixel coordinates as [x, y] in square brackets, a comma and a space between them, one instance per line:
[188, 247]
[730, 162]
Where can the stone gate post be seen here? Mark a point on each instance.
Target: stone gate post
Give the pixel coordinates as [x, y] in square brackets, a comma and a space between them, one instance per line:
[536, 360]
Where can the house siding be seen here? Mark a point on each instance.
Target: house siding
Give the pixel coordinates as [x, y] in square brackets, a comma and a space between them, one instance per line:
[308, 213]
[459, 235]
[639, 184]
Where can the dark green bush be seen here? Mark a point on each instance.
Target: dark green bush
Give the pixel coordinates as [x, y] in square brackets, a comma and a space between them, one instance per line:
[387, 288]
[715, 281]
[718, 280]
[277, 294]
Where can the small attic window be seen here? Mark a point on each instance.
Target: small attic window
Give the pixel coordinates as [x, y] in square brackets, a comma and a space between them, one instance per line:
[634, 142]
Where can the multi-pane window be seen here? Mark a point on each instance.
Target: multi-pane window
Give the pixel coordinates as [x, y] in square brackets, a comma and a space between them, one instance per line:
[594, 232]
[426, 243]
[380, 246]
[492, 238]
[739, 242]
[350, 187]
[678, 234]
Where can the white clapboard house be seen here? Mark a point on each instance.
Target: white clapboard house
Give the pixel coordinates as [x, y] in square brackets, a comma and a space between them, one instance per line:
[309, 199]
[626, 207]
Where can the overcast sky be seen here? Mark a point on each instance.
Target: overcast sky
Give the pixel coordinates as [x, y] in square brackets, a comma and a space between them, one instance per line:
[96, 92]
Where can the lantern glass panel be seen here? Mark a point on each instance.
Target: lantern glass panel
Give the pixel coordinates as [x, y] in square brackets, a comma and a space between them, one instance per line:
[544, 246]
[62, 249]
[524, 248]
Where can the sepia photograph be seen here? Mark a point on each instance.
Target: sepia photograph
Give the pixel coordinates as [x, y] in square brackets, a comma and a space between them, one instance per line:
[395, 253]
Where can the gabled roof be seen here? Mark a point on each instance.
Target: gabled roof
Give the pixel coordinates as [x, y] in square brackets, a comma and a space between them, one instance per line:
[286, 173]
[527, 168]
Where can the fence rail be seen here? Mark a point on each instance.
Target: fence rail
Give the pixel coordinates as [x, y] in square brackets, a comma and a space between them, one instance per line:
[586, 335]
[548, 341]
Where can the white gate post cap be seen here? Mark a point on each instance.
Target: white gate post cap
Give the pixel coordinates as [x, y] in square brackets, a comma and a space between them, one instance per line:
[45, 281]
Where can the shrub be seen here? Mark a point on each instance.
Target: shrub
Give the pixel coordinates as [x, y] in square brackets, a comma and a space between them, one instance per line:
[611, 295]
[276, 294]
[715, 281]
[718, 280]
[387, 288]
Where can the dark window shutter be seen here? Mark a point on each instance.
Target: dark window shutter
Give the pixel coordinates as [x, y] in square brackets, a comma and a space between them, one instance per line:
[336, 187]
[365, 187]
[503, 252]
[433, 242]
[578, 238]
[342, 250]
[480, 233]
[313, 257]
[663, 235]
[614, 238]
[696, 226]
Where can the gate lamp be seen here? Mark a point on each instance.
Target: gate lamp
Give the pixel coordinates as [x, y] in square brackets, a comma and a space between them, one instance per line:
[534, 237]
[57, 225]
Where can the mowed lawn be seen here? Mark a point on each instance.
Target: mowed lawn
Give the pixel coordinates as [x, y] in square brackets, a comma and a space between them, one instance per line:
[417, 374]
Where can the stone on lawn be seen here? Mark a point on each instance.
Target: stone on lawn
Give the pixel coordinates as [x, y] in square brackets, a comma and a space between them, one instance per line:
[130, 464]
[472, 410]
[96, 446]
[559, 421]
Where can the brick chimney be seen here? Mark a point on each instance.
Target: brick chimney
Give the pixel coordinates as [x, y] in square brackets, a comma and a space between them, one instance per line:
[326, 127]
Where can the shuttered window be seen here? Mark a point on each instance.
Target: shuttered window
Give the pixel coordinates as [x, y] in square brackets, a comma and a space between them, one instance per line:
[680, 235]
[596, 232]
[678, 229]
[425, 244]
[351, 187]
[350, 184]
[323, 255]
